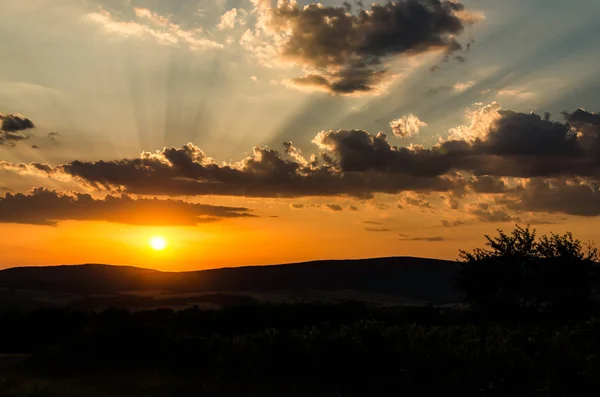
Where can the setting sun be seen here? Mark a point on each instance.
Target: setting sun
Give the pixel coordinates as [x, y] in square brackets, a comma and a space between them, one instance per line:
[158, 243]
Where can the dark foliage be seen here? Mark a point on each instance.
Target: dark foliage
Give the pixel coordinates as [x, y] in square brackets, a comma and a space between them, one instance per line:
[300, 350]
[518, 276]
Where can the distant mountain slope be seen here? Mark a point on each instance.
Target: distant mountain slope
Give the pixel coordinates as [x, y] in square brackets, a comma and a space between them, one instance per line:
[416, 278]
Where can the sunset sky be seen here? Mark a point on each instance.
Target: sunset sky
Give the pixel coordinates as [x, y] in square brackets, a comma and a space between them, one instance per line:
[255, 132]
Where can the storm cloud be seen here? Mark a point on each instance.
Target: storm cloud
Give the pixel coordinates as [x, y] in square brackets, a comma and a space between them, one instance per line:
[47, 207]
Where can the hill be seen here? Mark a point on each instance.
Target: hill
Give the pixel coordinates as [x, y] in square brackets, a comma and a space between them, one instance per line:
[427, 280]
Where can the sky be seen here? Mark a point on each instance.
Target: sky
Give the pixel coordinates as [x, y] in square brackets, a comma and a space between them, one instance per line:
[257, 132]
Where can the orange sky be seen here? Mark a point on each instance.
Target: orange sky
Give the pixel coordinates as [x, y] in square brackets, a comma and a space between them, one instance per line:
[297, 235]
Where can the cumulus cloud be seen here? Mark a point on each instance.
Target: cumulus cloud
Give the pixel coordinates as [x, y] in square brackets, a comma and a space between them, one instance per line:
[13, 128]
[480, 121]
[407, 126]
[522, 157]
[346, 53]
[229, 19]
[48, 207]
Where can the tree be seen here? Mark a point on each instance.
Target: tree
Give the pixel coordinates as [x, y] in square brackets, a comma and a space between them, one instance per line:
[518, 274]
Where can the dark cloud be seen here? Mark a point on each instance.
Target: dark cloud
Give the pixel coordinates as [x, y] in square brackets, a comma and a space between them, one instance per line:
[582, 117]
[332, 207]
[485, 157]
[348, 52]
[574, 196]
[417, 202]
[15, 122]
[372, 223]
[512, 145]
[377, 229]
[487, 184]
[13, 127]
[453, 223]
[405, 237]
[485, 212]
[188, 171]
[48, 207]
[54, 137]
[451, 201]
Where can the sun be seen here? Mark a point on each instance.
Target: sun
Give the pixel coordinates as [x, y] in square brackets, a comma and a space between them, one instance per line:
[158, 243]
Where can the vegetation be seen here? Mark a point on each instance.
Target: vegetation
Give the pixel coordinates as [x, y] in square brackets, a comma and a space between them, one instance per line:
[518, 276]
[531, 330]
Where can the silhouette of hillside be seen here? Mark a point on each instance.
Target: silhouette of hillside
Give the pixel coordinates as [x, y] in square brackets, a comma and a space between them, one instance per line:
[415, 278]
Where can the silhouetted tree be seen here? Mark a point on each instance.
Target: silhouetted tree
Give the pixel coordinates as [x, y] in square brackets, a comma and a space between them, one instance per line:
[519, 274]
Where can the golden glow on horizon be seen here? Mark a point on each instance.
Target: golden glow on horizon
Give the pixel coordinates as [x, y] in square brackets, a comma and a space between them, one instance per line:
[158, 243]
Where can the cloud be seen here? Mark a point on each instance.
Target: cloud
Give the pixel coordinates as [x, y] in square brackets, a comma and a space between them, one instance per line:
[407, 126]
[450, 201]
[519, 157]
[480, 121]
[372, 223]
[463, 86]
[147, 24]
[417, 202]
[573, 196]
[15, 122]
[12, 127]
[334, 207]
[485, 212]
[266, 173]
[517, 94]
[47, 207]
[458, 87]
[346, 53]
[229, 19]
[377, 229]
[405, 237]
[453, 223]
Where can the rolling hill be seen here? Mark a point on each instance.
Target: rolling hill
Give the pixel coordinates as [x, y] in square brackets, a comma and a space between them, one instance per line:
[419, 279]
